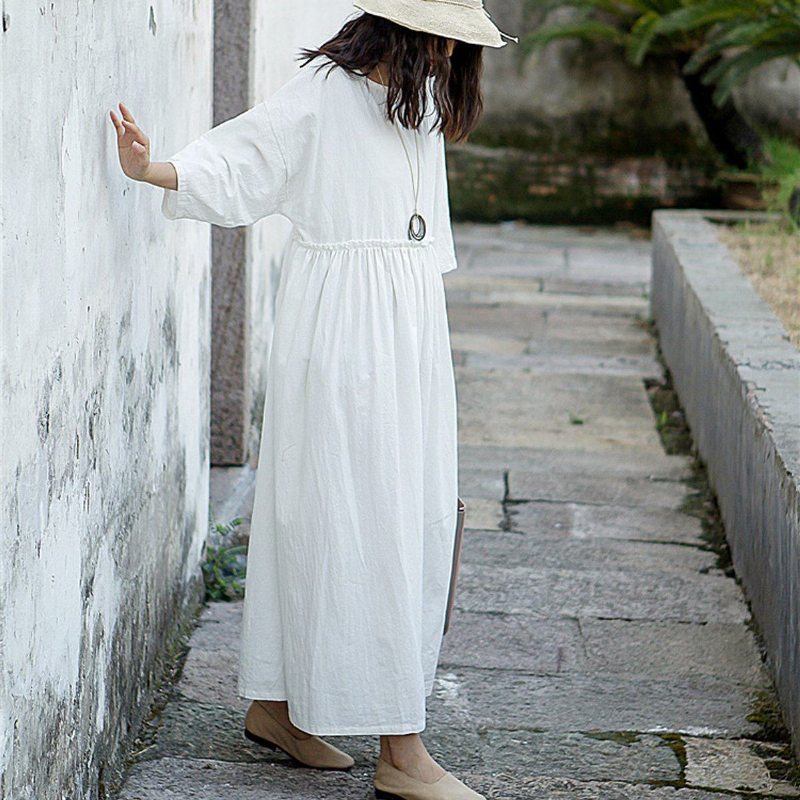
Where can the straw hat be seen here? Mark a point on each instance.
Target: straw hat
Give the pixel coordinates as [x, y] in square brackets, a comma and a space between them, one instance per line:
[465, 20]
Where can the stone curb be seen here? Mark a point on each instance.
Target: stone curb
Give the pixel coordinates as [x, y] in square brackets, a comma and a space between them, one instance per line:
[738, 378]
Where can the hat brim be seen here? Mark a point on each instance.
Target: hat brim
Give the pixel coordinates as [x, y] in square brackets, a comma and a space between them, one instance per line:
[470, 25]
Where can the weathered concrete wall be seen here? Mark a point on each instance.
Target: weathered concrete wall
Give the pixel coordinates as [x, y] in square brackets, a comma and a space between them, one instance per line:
[738, 378]
[593, 138]
[230, 304]
[104, 367]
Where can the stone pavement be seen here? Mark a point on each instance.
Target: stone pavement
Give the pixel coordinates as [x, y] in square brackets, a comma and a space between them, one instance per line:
[598, 648]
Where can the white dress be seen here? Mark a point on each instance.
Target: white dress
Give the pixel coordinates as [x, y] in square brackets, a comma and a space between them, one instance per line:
[355, 504]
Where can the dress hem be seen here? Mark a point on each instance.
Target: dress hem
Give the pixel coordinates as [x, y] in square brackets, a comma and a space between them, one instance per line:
[382, 729]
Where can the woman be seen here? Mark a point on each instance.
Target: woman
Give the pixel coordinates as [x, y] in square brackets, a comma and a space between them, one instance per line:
[355, 508]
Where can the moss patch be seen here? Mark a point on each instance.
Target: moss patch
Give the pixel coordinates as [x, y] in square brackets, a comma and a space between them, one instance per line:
[767, 715]
[620, 737]
[589, 133]
[490, 184]
[172, 661]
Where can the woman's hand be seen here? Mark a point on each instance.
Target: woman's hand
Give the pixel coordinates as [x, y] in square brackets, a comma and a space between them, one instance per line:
[133, 145]
[134, 153]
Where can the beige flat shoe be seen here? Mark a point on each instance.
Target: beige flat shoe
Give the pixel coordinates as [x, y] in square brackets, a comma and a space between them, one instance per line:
[261, 727]
[393, 784]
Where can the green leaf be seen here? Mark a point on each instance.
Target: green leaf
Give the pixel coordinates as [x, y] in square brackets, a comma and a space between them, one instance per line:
[702, 14]
[641, 37]
[582, 29]
[730, 71]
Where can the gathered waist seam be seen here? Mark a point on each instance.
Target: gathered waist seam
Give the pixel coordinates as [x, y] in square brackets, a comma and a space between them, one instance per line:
[353, 244]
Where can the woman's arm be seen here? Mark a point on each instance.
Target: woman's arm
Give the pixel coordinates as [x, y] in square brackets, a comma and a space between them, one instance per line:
[231, 175]
[134, 154]
[161, 173]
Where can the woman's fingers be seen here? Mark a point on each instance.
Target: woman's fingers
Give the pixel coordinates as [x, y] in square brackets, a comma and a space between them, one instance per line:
[126, 114]
[133, 129]
[120, 128]
[132, 143]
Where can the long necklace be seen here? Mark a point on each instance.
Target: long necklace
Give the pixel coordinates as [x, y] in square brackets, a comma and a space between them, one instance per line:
[416, 224]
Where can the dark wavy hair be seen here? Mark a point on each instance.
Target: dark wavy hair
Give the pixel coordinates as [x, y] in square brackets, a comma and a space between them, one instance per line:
[412, 58]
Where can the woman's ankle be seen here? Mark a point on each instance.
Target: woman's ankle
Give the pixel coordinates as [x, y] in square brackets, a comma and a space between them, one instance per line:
[410, 755]
[402, 749]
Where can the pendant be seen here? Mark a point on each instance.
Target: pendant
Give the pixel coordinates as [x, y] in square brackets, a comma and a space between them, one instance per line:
[416, 227]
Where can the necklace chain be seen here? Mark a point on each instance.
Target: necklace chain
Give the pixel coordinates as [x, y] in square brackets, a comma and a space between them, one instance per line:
[416, 226]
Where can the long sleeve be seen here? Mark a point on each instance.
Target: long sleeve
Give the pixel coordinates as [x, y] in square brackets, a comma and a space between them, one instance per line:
[232, 175]
[442, 229]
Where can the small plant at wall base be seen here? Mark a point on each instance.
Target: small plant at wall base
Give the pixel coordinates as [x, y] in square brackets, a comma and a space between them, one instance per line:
[781, 170]
[773, 184]
[225, 567]
[713, 44]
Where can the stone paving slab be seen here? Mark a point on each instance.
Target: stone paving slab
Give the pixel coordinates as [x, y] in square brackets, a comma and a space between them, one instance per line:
[512, 549]
[563, 285]
[613, 410]
[596, 489]
[491, 298]
[206, 779]
[496, 699]
[582, 521]
[615, 266]
[486, 483]
[492, 319]
[622, 462]
[577, 756]
[731, 765]
[622, 332]
[605, 593]
[527, 263]
[633, 648]
[483, 513]
[210, 670]
[513, 642]
[513, 233]
[210, 677]
[482, 343]
[563, 788]
[603, 363]
[673, 650]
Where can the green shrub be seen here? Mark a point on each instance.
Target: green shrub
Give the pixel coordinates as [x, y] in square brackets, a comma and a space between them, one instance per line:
[782, 168]
[225, 565]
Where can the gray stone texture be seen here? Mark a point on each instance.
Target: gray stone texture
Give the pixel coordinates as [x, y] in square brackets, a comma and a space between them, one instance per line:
[596, 650]
[231, 282]
[738, 378]
[582, 521]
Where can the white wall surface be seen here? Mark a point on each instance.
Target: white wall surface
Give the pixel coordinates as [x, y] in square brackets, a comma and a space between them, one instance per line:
[104, 316]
